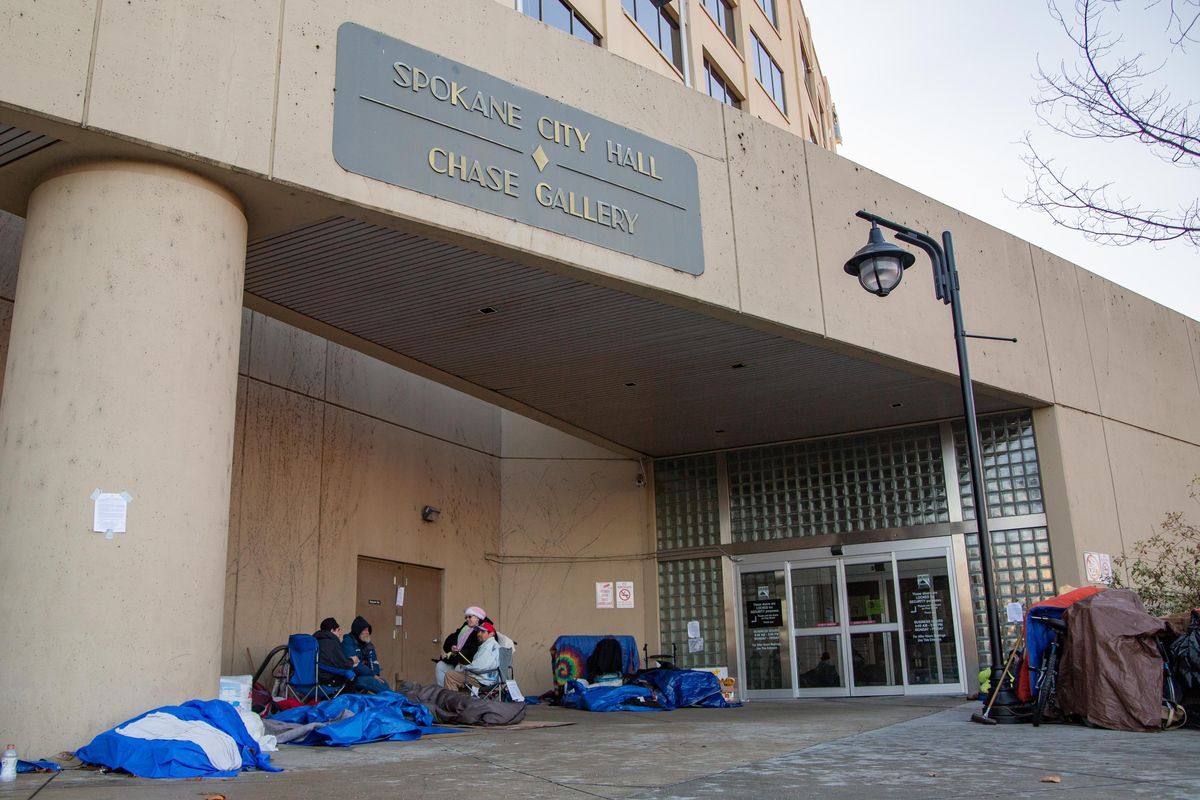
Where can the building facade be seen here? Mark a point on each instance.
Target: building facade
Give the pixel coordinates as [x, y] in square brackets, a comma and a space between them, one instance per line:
[274, 278]
[753, 55]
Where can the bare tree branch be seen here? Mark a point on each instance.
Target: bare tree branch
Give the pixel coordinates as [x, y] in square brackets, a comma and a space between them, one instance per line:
[1111, 97]
[1184, 23]
[1100, 216]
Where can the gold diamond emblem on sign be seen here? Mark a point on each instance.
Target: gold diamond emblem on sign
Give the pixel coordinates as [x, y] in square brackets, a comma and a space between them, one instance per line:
[540, 158]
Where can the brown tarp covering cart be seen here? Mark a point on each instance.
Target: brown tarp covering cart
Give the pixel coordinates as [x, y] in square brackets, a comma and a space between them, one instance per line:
[1111, 671]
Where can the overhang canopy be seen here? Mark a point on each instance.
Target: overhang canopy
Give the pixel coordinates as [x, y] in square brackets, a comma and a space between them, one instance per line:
[653, 377]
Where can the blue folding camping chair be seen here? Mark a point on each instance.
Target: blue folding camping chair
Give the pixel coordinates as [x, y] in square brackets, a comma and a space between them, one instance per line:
[302, 682]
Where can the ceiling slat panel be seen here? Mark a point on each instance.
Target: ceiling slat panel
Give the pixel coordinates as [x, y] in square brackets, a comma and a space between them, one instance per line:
[568, 348]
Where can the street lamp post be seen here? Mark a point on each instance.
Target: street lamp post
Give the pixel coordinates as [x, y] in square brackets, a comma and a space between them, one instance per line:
[879, 266]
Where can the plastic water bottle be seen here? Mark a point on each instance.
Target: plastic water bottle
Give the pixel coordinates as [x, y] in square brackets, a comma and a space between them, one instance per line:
[8, 768]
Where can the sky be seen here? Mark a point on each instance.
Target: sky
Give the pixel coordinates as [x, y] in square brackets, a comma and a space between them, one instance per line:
[935, 94]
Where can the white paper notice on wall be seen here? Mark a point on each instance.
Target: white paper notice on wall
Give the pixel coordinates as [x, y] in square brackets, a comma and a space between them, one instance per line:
[695, 645]
[624, 594]
[604, 594]
[693, 629]
[110, 512]
[1097, 567]
[1015, 612]
[399, 595]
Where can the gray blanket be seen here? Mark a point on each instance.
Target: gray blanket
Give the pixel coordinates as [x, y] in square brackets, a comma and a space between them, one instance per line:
[285, 732]
[460, 708]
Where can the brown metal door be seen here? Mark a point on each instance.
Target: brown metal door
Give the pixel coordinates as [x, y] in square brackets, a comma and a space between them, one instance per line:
[376, 602]
[421, 633]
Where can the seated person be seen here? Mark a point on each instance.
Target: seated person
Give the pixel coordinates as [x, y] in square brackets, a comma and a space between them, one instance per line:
[459, 648]
[358, 644]
[329, 653]
[823, 674]
[484, 670]
[605, 666]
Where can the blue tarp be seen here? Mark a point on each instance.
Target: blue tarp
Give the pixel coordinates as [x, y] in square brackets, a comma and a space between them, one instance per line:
[665, 690]
[685, 688]
[173, 758]
[605, 698]
[381, 717]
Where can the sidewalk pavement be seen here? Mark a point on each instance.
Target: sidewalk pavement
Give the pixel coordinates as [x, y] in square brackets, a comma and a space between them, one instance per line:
[911, 747]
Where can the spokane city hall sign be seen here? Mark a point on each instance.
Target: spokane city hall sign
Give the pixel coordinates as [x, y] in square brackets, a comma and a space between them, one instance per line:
[412, 118]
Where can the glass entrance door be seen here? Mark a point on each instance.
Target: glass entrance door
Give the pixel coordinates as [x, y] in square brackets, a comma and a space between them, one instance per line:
[930, 641]
[769, 668]
[817, 617]
[874, 631]
[866, 623]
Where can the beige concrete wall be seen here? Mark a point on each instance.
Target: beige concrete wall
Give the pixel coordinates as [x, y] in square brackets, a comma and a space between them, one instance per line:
[776, 212]
[573, 515]
[322, 476]
[335, 454]
[269, 70]
[1107, 484]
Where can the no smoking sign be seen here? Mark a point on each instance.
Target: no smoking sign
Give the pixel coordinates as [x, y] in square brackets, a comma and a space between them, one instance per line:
[624, 594]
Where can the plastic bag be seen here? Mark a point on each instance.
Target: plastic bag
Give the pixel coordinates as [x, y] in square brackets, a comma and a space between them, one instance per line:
[1185, 655]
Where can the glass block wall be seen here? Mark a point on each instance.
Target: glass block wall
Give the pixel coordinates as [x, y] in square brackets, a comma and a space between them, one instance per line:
[1022, 572]
[889, 479]
[685, 502]
[886, 479]
[1010, 466]
[692, 589]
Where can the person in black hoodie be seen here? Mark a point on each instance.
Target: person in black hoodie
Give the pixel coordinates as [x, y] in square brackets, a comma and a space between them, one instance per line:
[329, 652]
[358, 645]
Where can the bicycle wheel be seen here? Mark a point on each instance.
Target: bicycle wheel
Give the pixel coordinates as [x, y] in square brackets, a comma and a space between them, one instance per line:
[1045, 690]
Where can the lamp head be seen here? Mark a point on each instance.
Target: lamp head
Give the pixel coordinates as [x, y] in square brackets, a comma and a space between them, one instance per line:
[879, 264]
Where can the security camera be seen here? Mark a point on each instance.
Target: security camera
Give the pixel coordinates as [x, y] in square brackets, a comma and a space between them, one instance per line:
[640, 480]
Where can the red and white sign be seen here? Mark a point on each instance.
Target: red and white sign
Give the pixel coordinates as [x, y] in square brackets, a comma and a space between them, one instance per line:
[624, 594]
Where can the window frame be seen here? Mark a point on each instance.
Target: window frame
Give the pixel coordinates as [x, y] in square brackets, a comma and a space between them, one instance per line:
[661, 15]
[729, 26]
[711, 73]
[760, 50]
[772, 14]
[577, 19]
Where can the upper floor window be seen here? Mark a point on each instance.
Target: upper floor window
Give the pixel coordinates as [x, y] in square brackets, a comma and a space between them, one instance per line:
[769, 74]
[806, 65]
[718, 88]
[722, 13]
[660, 26]
[561, 16]
[769, 8]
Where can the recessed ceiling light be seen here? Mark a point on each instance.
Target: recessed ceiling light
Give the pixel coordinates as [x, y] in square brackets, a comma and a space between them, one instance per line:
[487, 310]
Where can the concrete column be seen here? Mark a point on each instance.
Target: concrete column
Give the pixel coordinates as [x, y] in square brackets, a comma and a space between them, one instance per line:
[122, 376]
